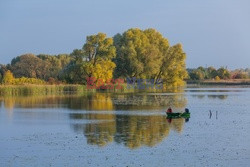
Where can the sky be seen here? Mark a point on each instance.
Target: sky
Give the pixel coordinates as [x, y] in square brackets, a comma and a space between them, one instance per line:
[213, 33]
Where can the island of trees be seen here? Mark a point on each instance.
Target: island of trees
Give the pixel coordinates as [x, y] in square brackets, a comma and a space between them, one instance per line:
[143, 54]
[222, 75]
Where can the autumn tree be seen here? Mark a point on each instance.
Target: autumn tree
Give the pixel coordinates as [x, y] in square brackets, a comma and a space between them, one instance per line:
[173, 68]
[8, 78]
[196, 74]
[211, 73]
[99, 46]
[3, 70]
[208, 73]
[147, 54]
[54, 64]
[30, 66]
[239, 74]
[223, 73]
[93, 60]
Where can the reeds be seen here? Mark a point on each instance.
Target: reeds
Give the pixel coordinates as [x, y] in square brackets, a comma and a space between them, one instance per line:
[17, 90]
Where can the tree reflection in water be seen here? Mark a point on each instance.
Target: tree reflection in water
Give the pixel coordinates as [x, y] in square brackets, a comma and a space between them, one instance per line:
[134, 120]
[134, 123]
[221, 97]
[136, 131]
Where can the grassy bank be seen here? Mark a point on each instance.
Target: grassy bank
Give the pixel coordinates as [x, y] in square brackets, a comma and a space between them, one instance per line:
[221, 82]
[15, 90]
[32, 89]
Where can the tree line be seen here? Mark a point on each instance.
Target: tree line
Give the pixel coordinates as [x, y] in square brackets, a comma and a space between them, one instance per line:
[144, 54]
[210, 73]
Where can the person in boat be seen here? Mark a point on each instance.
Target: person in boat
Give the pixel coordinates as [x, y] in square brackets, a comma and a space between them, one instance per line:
[169, 110]
[186, 110]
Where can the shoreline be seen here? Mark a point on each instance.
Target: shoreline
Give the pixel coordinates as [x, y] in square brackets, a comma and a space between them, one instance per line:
[33, 89]
[230, 82]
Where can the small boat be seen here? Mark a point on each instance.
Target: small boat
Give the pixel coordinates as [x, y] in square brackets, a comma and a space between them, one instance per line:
[178, 115]
[185, 114]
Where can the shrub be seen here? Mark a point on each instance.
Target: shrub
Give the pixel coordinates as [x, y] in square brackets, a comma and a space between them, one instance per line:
[217, 78]
[8, 78]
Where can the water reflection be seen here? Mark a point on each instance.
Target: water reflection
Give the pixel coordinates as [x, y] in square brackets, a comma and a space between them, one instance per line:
[138, 131]
[133, 131]
[133, 120]
[100, 133]
[218, 90]
[221, 97]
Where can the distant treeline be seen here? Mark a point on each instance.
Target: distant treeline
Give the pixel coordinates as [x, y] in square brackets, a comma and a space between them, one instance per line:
[211, 73]
[144, 54]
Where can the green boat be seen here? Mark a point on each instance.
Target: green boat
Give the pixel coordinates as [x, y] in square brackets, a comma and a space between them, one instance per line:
[186, 114]
[178, 115]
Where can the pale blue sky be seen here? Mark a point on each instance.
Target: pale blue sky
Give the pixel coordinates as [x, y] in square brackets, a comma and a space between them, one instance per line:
[214, 32]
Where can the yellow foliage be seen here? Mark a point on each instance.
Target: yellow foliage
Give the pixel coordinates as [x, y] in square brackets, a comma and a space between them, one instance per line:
[9, 79]
[217, 78]
[102, 69]
[24, 80]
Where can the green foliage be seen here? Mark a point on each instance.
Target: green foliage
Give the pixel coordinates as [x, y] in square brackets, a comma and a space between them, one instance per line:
[147, 54]
[55, 64]
[78, 55]
[29, 66]
[24, 80]
[41, 66]
[197, 74]
[223, 73]
[173, 69]
[73, 73]
[102, 69]
[211, 73]
[139, 53]
[240, 74]
[3, 70]
[99, 46]
[9, 79]
[23, 90]
[135, 53]
[94, 60]
[208, 73]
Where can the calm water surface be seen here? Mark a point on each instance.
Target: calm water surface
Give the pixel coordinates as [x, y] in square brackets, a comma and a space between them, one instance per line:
[106, 129]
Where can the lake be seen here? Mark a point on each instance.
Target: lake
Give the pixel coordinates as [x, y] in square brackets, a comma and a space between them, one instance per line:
[127, 129]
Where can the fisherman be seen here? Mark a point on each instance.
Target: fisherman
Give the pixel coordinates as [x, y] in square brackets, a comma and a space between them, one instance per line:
[169, 110]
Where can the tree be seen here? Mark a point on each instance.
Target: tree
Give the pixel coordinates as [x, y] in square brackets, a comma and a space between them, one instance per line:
[30, 66]
[93, 60]
[223, 73]
[8, 78]
[196, 74]
[55, 64]
[173, 69]
[240, 75]
[3, 70]
[211, 73]
[102, 69]
[217, 78]
[99, 46]
[78, 55]
[138, 55]
[147, 54]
